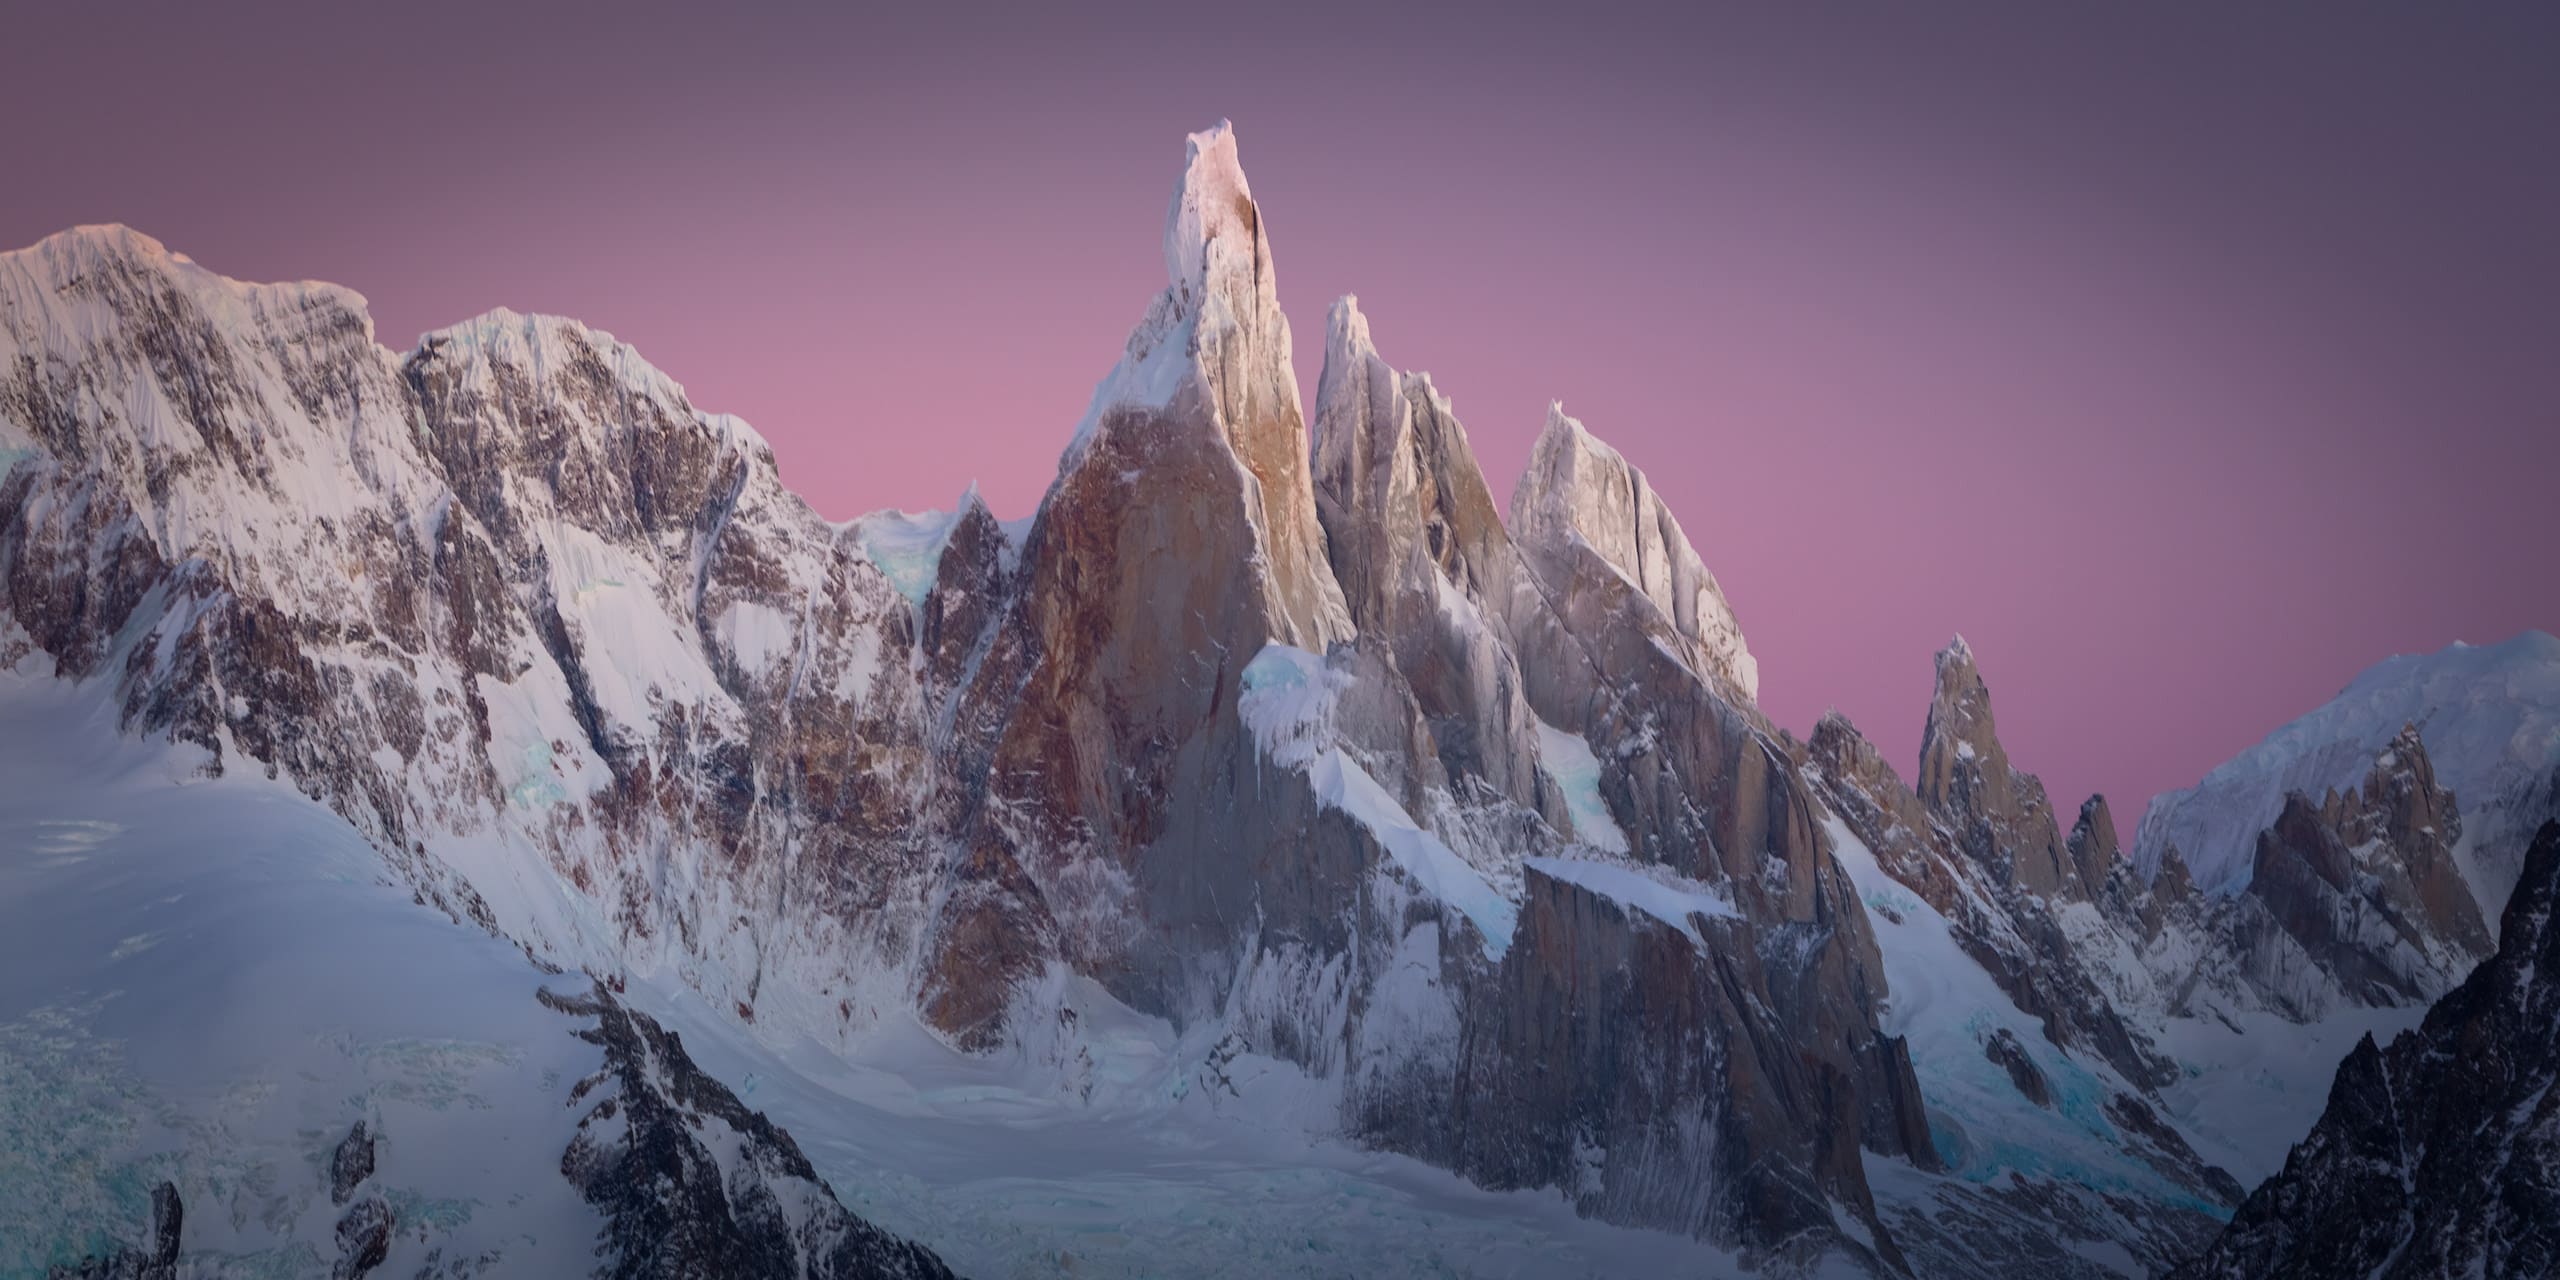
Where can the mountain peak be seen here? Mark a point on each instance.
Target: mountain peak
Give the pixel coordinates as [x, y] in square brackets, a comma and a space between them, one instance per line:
[1212, 357]
[1956, 654]
[2000, 814]
[1212, 205]
[1577, 488]
[1346, 327]
[1960, 706]
[2491, 714]
[59, 263]
[103, 237]
[619, 385]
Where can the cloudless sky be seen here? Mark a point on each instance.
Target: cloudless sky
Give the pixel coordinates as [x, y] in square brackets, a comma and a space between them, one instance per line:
[2187, 358]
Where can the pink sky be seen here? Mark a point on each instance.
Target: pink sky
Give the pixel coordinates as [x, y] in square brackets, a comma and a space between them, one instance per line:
[2186, 363]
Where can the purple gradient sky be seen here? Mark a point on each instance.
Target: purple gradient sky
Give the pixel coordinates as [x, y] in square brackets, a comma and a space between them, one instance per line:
[2187, 361]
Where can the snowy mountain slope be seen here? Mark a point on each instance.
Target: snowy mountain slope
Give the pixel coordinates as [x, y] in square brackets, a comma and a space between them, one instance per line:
[2491, 718]
[509, 603]
[2047, 1153]
[1147, 1168]
[211, 982]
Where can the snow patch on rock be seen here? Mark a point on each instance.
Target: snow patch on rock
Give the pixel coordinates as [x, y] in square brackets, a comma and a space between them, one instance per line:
[1655, 890]
[1568, 759]
[907, 545]
[1288, 705]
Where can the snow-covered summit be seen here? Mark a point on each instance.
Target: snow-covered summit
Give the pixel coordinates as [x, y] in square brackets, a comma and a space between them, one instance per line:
[2490, 716]
[549, 347]
[66, 258]
[1218, 284]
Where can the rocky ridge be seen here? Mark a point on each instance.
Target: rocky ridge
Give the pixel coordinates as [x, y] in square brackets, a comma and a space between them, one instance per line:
[2355, 900]
[1293, 743]
[2440, 1154]
[562, 646]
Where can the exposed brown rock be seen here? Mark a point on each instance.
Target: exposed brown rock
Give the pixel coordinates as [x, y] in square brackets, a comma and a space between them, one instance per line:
[2004, 1051]
[1998, 815]
[2365, 885]
[2092, 847]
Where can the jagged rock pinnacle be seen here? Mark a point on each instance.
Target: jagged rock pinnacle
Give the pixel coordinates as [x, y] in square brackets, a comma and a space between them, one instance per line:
[1579, 488]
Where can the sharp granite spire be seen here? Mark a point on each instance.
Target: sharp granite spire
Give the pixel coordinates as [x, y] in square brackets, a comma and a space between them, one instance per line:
[1578, 487]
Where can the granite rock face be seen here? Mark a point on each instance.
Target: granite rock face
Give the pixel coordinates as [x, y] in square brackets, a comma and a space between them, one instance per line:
[1579, 489]
[691, 1182]
[1998, 815]
[2439, 1155]
[2355, 900]
[364, 1239]
[1419, 546]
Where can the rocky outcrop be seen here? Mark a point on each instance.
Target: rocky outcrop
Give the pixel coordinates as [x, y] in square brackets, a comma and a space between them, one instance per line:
[2439, 1155]
[364, 1239]
[1685, 1101]
[1416, 539]
[1578, 489]
[1997, 814]
[2143, 911]
[2010, 1056]
[350, 1163]
[2353, 900]
[1508, 652]
[972, 577]
[2092, 848]
[692, 1183]
[157, 1262]
[2365, 884]
[1954, 859]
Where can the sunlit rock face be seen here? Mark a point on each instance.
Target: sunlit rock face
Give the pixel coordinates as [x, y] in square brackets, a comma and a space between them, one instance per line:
[1580, 490]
